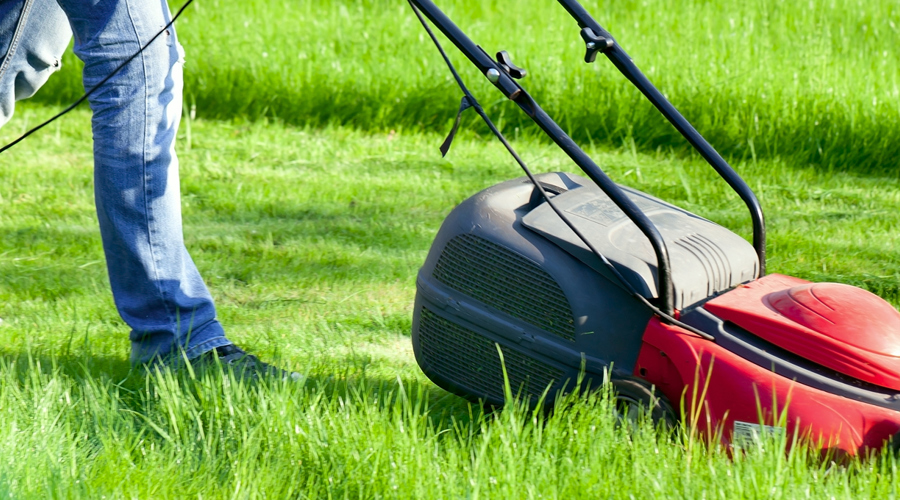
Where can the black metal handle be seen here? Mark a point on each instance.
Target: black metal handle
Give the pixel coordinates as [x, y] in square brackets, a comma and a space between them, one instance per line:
[623, 62]
[499, 76]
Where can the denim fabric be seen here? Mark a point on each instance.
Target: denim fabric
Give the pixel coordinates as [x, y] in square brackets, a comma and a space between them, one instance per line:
[36, 32]
[157, 289]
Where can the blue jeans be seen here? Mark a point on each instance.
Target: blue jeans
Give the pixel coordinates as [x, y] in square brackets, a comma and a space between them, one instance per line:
[157, 289]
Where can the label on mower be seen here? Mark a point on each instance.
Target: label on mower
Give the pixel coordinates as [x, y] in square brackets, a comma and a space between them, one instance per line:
[746, 434]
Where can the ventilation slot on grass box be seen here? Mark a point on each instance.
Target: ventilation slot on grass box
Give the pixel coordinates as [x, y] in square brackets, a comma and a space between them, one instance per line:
[506, 281]
[472, 361]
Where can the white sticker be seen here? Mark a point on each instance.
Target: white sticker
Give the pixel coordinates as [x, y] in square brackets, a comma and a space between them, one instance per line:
[746, 433]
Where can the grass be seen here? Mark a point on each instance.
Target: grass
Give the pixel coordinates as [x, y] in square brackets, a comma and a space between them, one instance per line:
[310, 240]
[814, 83]
[312, 188]
[209, 437]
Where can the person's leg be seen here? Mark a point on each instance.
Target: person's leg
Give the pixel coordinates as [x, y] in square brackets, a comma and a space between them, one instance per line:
[157, 289]
[33, 36]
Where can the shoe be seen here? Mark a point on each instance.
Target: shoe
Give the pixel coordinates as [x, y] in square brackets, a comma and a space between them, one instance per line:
[244, 366]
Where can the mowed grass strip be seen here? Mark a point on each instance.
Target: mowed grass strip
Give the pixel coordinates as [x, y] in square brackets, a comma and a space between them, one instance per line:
[310, 240]
[814, 82]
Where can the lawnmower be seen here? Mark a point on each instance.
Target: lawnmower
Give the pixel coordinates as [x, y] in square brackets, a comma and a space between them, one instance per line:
[553, 281]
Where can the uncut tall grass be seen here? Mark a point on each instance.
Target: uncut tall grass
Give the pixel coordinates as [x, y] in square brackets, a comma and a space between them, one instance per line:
[210, 436]
[814, 82]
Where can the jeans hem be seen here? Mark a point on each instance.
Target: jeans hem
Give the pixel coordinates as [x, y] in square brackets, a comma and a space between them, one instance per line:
[206, 346]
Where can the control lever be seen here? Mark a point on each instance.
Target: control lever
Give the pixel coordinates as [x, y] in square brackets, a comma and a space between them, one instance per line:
[507, 64]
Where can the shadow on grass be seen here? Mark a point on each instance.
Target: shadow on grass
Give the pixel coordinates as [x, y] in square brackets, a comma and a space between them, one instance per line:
[845, 140]
[260, 241]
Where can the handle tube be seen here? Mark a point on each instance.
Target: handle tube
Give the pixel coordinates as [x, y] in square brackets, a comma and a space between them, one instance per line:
[625, 65]
[511, 89]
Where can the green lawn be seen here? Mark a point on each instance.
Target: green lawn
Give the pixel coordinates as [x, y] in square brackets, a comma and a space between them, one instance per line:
[312, 188]
[813, 82]
[310, 241]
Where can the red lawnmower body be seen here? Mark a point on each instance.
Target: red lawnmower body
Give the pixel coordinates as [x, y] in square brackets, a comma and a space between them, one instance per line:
[841, 327]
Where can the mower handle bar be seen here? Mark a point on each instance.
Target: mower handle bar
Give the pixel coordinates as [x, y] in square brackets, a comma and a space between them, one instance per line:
[627, 67]
[512, 90]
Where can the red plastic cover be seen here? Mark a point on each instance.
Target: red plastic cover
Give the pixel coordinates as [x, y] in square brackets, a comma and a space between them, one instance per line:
[724, 396]
[838, 326]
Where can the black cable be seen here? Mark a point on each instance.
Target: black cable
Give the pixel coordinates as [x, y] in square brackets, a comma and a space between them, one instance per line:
[666, 317]
[102, 82]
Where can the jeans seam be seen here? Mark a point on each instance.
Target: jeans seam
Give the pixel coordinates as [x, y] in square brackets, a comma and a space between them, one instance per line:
[151, 236]
[17, 36]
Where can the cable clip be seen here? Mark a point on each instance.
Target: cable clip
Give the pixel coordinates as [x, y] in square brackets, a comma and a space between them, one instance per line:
[463, 105]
